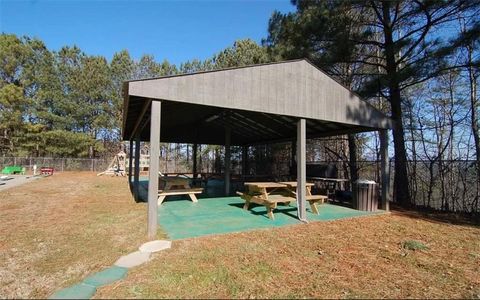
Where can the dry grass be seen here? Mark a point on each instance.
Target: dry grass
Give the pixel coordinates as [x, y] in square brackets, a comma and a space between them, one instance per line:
[55, 231]
[357, 258]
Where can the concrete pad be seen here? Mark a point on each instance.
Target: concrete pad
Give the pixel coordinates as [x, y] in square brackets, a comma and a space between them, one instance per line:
[155, 246]
[77, 291]
[16, 180]
[106, 276]
[133, 259]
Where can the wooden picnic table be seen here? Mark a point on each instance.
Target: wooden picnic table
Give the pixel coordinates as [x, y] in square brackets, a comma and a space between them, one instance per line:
[331, 184]
[177, 186]
[294, 184]
[266, 188]
[312, 199]
[269, 194]
[325, 179]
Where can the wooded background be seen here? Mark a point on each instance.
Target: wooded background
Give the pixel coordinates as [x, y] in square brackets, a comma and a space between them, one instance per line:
[417, 61]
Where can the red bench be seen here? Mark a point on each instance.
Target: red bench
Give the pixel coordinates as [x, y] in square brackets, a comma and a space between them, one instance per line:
[46, 171]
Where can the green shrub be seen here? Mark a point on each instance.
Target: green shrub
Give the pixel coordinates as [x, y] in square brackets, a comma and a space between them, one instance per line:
[414, 245]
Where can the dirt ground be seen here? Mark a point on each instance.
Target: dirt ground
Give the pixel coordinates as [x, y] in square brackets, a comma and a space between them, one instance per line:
[56, 231]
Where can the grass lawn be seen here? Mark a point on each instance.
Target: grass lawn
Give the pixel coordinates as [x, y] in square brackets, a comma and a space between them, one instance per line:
[56, 231]
[356, 258]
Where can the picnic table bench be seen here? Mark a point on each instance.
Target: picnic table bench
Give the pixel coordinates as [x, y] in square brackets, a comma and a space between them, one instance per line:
[47, 171]
[269, 194]
[13, 170]
[312, 199]
[177, 186]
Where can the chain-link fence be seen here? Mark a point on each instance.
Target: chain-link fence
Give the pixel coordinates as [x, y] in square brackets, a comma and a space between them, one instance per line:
[59, 164]
[98, 164]
[447, 186]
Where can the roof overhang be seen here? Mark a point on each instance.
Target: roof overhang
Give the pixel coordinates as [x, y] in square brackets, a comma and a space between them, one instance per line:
[260, 103]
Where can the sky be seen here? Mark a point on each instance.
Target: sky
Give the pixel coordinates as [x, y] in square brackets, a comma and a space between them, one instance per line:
[174, 30]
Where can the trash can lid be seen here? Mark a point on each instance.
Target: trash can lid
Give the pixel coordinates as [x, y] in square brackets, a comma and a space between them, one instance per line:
[365, 181]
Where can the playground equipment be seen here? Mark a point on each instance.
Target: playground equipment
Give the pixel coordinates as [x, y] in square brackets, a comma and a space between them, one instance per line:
[144, 160]
[116, 166]
[12, 170]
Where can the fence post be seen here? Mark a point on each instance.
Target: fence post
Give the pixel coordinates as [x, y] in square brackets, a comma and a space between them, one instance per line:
[63, 163]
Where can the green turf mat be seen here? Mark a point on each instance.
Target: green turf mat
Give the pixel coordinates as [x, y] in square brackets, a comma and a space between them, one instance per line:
[106, 276]
[77, 291]
[181, 218]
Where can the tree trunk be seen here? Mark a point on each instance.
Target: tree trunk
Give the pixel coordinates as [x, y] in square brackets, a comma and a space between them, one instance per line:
[413, 170]
[474, 124]
[401, 189]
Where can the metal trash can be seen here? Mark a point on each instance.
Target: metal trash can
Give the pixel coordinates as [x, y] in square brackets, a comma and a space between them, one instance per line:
[365, 195]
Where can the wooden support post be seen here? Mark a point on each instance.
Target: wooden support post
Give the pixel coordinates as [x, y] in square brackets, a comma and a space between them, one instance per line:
[293, 151]
[130, 163]
[153, 169]
[385, 170]
[194, 160]
[244, 160]
[227, 160]
[136, 174]
[200, 162]
[301, 170]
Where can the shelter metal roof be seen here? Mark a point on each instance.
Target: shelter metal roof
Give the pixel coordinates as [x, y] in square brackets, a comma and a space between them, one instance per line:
[260, 103]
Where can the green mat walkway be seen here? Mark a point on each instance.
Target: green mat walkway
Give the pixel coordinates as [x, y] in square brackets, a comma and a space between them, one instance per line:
[181, 218]
[87, 288]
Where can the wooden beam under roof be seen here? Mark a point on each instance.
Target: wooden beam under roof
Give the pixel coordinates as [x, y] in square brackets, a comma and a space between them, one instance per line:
[145, 108]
